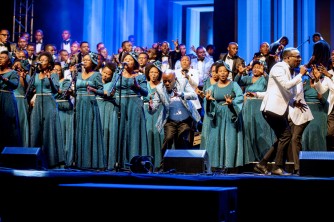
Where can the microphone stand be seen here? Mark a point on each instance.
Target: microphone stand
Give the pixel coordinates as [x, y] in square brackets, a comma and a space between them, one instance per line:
[307, 40]
[31, 82]
[27, 93]
[118, 78]
[74, 81]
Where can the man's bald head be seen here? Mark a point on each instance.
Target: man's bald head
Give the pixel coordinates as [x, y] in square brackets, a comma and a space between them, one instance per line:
[169, 79]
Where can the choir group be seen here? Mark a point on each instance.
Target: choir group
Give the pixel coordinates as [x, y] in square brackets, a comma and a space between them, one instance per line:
[91, 110]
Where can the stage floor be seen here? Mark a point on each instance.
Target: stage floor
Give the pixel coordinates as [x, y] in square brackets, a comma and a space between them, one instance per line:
[256, 197]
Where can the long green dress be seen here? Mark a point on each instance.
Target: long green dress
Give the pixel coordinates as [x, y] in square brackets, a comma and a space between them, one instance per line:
[129, 134]
[9, 121]
[314, 135]
[258, 135]
[224, 144]
[65, 108]
[106, 106]
[23, 110]
[155, 139]
[89, 147]
[45, 126]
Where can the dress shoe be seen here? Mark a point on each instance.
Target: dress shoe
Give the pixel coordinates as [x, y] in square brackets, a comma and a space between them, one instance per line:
[261, 169]
[280, 172]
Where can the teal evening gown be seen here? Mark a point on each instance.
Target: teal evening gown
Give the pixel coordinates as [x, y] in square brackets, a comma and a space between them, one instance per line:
[258, 135]
[9, 120]
[206, 120]
[65, 108]
[45, 126]
[314, 135]
[130, 139]
[89, 148]
[23, 109]
[106, 106]
[155, 139]
[224, 144]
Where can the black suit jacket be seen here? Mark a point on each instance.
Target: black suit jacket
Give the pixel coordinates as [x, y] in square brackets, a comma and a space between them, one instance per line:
[173, 56]
[236, 59]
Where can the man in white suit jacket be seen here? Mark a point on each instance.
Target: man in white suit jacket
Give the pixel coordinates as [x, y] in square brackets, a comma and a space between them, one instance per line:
[192, 75]
[281, 93]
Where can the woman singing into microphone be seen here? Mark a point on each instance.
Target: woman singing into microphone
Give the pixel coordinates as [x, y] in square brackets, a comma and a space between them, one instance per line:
[88, 143]
[45, 125]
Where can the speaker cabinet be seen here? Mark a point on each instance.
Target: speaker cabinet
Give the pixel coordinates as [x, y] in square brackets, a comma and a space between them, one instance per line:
[316, 163]
[22, 158]
[186, 161]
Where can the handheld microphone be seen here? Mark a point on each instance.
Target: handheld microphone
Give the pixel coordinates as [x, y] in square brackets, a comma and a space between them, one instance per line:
[297, 70]
[79, 64]
[37, 63]
[124, 63]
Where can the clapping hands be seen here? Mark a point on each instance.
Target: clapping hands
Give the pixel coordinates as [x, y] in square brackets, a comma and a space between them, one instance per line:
[300, 105]
[228, 99]
[208, 95]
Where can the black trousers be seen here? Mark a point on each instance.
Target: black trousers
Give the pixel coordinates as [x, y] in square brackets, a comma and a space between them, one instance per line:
[180, 134]
[330, 131]
[282, 130]
[296, 142]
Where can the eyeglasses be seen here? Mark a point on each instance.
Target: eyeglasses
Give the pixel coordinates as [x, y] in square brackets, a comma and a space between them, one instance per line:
[297, 57]
[5, 34]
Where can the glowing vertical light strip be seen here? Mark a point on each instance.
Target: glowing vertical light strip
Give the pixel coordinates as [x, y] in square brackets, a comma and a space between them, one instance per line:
[194, 25]
[306, 23]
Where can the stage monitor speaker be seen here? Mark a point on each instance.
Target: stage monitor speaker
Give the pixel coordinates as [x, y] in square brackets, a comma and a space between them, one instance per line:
[316, 163]
[22, 158]
[186, 161]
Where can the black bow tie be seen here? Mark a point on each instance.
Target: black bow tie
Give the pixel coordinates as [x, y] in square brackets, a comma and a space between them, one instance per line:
[66, 42]
[230, 57]
[38, 42]
[200, 60]
[1, 44]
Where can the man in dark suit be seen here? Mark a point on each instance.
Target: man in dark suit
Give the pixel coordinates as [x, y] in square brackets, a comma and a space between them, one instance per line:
[66, 42]
[276, 48]
[39, 44]
[321, 51]
[167, 57]
[6, 45]
[232, 59]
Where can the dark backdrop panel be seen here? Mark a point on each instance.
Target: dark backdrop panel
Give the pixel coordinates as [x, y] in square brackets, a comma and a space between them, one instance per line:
[6, 15]
[224, 24]
[55, 16]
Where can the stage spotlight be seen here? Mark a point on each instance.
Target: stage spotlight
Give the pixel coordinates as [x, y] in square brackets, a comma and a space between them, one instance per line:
[141, 164]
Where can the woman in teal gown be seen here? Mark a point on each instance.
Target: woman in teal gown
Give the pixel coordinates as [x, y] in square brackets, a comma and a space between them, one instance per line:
[314, 135]
[106, 106]
[208, 83]
[224, 103]
[45, 127]
[65, 108]
[258, 135]
[89, 147]
[153, 75]
[22, 67]
[9, 120]
[129, 131]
